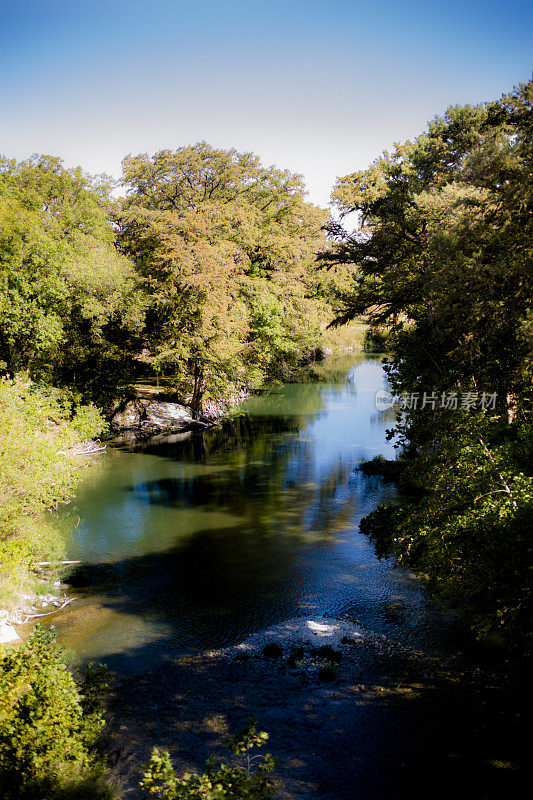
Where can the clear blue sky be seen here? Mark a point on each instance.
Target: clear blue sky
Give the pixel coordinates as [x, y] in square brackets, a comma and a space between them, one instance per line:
[318, 87]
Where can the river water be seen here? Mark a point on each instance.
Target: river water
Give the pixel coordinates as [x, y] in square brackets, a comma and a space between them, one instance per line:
[205, 539]
[201, 540]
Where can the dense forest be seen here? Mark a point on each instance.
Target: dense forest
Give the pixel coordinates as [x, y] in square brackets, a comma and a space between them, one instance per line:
[205, 274]
[214, 273]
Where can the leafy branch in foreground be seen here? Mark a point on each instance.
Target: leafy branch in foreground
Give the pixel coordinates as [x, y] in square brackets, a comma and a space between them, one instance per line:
[247, 781]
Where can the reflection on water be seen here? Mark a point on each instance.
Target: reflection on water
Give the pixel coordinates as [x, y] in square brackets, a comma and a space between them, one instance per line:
[198, 543]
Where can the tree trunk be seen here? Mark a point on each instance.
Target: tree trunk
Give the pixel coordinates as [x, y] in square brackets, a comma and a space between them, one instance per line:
[200, 378]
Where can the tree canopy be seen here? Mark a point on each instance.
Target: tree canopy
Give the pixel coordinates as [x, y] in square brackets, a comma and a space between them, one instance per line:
[445, 224]
[68, 297]
[226, 251]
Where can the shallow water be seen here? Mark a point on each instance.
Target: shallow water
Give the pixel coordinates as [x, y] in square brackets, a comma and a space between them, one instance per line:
[197, 543]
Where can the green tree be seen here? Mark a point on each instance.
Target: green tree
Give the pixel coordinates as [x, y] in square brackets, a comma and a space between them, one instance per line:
[443, 258]
[46, 730]
[211, 231]
[69, 304]
[444, 224]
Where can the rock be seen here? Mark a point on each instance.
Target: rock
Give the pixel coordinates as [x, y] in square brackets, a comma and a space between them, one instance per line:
[150, 416]
[167, 415]
[129, 416]
[150, 428]
[8, 634]
[128, 437]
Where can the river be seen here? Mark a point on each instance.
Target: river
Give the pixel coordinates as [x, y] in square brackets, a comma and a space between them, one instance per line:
[200, 542]
[203, 540]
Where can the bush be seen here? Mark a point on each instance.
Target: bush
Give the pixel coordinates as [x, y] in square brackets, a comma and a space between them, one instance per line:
[37, 473]
[463, 518]
[249, 781]
[46, 731]
[376, 340]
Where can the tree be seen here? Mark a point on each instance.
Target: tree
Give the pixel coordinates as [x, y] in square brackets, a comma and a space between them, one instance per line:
[443, 257]
[68, 298]
[444, 224]
[211, 233]
[47, 726]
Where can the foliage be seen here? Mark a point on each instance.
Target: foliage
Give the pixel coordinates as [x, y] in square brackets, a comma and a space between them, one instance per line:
[249, 781]
[37, 472]
[443, 261]
[205, 272]
[376, 340]
[225, 249]
[69, 306]
[46, 732]
[445, 225]
[465, 520]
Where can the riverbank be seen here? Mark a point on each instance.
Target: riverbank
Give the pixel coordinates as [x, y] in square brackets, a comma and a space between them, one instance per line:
[44, 446]
[350, 715]
[156, 409]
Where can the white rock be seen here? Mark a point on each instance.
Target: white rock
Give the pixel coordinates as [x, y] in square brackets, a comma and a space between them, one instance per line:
[8, 634]
[167, 414]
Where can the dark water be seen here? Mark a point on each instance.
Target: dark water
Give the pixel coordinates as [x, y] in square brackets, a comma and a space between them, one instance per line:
[196, 543]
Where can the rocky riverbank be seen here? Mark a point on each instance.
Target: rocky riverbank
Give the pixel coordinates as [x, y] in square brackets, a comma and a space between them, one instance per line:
[154, 412]
[350, 715]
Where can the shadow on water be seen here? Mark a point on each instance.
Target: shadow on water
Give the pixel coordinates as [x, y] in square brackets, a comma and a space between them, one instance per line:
[221, 583]
[199, 542]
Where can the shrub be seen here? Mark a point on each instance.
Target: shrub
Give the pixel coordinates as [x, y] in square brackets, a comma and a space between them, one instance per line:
[376, 340]
[37, 473]
[46, 733]
[248, 781]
